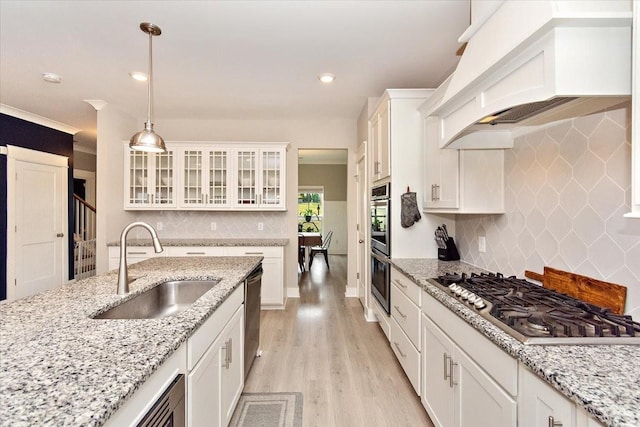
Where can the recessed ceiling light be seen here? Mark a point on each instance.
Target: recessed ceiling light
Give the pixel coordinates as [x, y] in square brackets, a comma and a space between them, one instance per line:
[326, 77]
[137, 75]
[51, 77]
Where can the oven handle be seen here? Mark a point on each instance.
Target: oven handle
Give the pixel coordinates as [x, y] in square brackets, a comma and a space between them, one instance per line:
[383, 259]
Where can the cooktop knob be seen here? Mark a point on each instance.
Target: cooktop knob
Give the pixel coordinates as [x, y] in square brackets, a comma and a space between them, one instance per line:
[472, 298]
[459, 291]
[465, 294]
[453, 287]
[479, 304]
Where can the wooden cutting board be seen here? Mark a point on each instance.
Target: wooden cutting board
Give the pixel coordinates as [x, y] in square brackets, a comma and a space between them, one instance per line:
[593, 291]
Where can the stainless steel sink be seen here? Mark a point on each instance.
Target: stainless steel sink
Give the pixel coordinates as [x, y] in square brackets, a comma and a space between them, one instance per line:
[160, 301]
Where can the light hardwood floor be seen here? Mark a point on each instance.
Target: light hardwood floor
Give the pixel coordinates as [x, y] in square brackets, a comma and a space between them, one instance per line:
[322, 346]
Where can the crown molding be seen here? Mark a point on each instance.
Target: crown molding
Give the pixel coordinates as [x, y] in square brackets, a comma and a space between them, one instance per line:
[34, 118]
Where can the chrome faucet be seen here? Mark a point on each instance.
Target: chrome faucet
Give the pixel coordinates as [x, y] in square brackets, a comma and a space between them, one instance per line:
[123, 274]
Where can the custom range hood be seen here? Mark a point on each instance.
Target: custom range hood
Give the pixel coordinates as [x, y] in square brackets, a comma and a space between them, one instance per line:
[527, 63]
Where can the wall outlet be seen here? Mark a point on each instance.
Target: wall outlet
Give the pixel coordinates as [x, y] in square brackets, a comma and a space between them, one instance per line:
[482, 244]
[260, 226]
[214, 226]
[158, 226]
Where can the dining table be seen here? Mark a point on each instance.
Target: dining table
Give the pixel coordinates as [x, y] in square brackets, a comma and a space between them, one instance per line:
[309, 239]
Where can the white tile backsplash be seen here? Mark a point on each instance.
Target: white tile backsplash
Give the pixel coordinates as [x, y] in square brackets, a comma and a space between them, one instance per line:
[197, 224]
[566, 190]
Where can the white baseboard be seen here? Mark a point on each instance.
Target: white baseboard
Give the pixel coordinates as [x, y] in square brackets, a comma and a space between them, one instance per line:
[370, 315]
[293, 293]
[351, 292]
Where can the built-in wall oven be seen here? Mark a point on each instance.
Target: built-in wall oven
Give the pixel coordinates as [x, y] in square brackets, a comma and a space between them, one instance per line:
[380, 218]
[381, 245]
[381, 279]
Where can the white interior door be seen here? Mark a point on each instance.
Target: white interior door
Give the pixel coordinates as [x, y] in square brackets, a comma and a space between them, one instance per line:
[361, 211]
[37, 223]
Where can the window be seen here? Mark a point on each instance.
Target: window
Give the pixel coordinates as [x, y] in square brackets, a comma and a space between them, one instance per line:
[310, 208]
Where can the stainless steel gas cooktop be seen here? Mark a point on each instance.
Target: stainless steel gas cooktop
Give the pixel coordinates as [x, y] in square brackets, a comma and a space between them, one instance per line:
[536, 315]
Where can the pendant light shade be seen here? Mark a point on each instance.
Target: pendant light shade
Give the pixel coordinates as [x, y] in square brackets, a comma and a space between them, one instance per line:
[147, 139]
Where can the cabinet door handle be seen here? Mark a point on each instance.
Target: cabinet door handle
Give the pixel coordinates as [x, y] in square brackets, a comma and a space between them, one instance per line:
[444, 369]
[399, 351]
[60, 235]
[399, 312]
[433, 195]
[230, 350]
[554, 423]
[451, 365]
[227, 353]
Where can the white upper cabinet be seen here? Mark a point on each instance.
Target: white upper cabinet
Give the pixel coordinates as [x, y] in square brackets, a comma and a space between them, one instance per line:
[207, 176]
[381, 139]
[149, 179]
[260, 178]
[461, 181]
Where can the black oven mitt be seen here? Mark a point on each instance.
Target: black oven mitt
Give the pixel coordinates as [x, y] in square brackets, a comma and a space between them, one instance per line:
[409, 212]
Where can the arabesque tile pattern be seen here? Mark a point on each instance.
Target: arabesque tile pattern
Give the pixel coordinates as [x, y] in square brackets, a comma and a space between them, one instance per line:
[567, 188]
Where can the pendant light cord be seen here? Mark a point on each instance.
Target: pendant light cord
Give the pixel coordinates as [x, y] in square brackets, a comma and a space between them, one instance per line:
[150, 89]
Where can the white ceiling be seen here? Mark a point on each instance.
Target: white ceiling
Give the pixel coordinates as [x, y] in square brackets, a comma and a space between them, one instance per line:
[222, 59]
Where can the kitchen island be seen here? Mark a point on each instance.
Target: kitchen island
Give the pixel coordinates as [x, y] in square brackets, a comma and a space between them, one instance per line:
[58, 366]
[604, 380]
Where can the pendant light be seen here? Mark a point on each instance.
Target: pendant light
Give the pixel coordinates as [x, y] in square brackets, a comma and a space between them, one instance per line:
[147, 139]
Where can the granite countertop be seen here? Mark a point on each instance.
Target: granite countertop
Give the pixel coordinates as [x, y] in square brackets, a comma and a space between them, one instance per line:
[602, 379]
[206, 242]
[60, 367]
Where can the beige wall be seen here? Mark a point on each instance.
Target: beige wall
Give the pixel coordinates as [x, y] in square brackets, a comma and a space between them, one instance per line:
[114, 127]
[84, 161]
[332, 177]
[567, 189]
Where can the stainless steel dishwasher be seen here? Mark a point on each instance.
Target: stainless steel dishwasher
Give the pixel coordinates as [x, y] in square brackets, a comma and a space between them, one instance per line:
[252, 289]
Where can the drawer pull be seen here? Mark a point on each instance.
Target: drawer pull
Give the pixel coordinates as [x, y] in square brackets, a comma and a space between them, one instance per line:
[399, 283]
[254, 253]
[195, 253]
[399, 351]
[399, 312]
[136, 253]
[553, 422]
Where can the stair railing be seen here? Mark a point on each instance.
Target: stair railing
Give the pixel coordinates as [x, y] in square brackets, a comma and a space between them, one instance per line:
[84, 237]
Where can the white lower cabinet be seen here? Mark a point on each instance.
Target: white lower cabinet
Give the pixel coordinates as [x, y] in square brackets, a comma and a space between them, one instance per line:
[215, 362]
[437, 387]
[215, 384]
[456, 391]
[541, 405]
[404, 325]
[272, 293]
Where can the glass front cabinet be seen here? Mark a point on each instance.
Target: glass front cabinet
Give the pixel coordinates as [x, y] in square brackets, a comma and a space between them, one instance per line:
[207, 176]
[260, 174]
[150, 179]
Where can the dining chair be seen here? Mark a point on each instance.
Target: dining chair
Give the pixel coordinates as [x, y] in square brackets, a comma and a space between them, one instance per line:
[324, 250]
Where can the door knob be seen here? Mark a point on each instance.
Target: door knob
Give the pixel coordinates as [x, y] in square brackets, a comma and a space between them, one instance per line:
[360, 241]
[60, 235]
